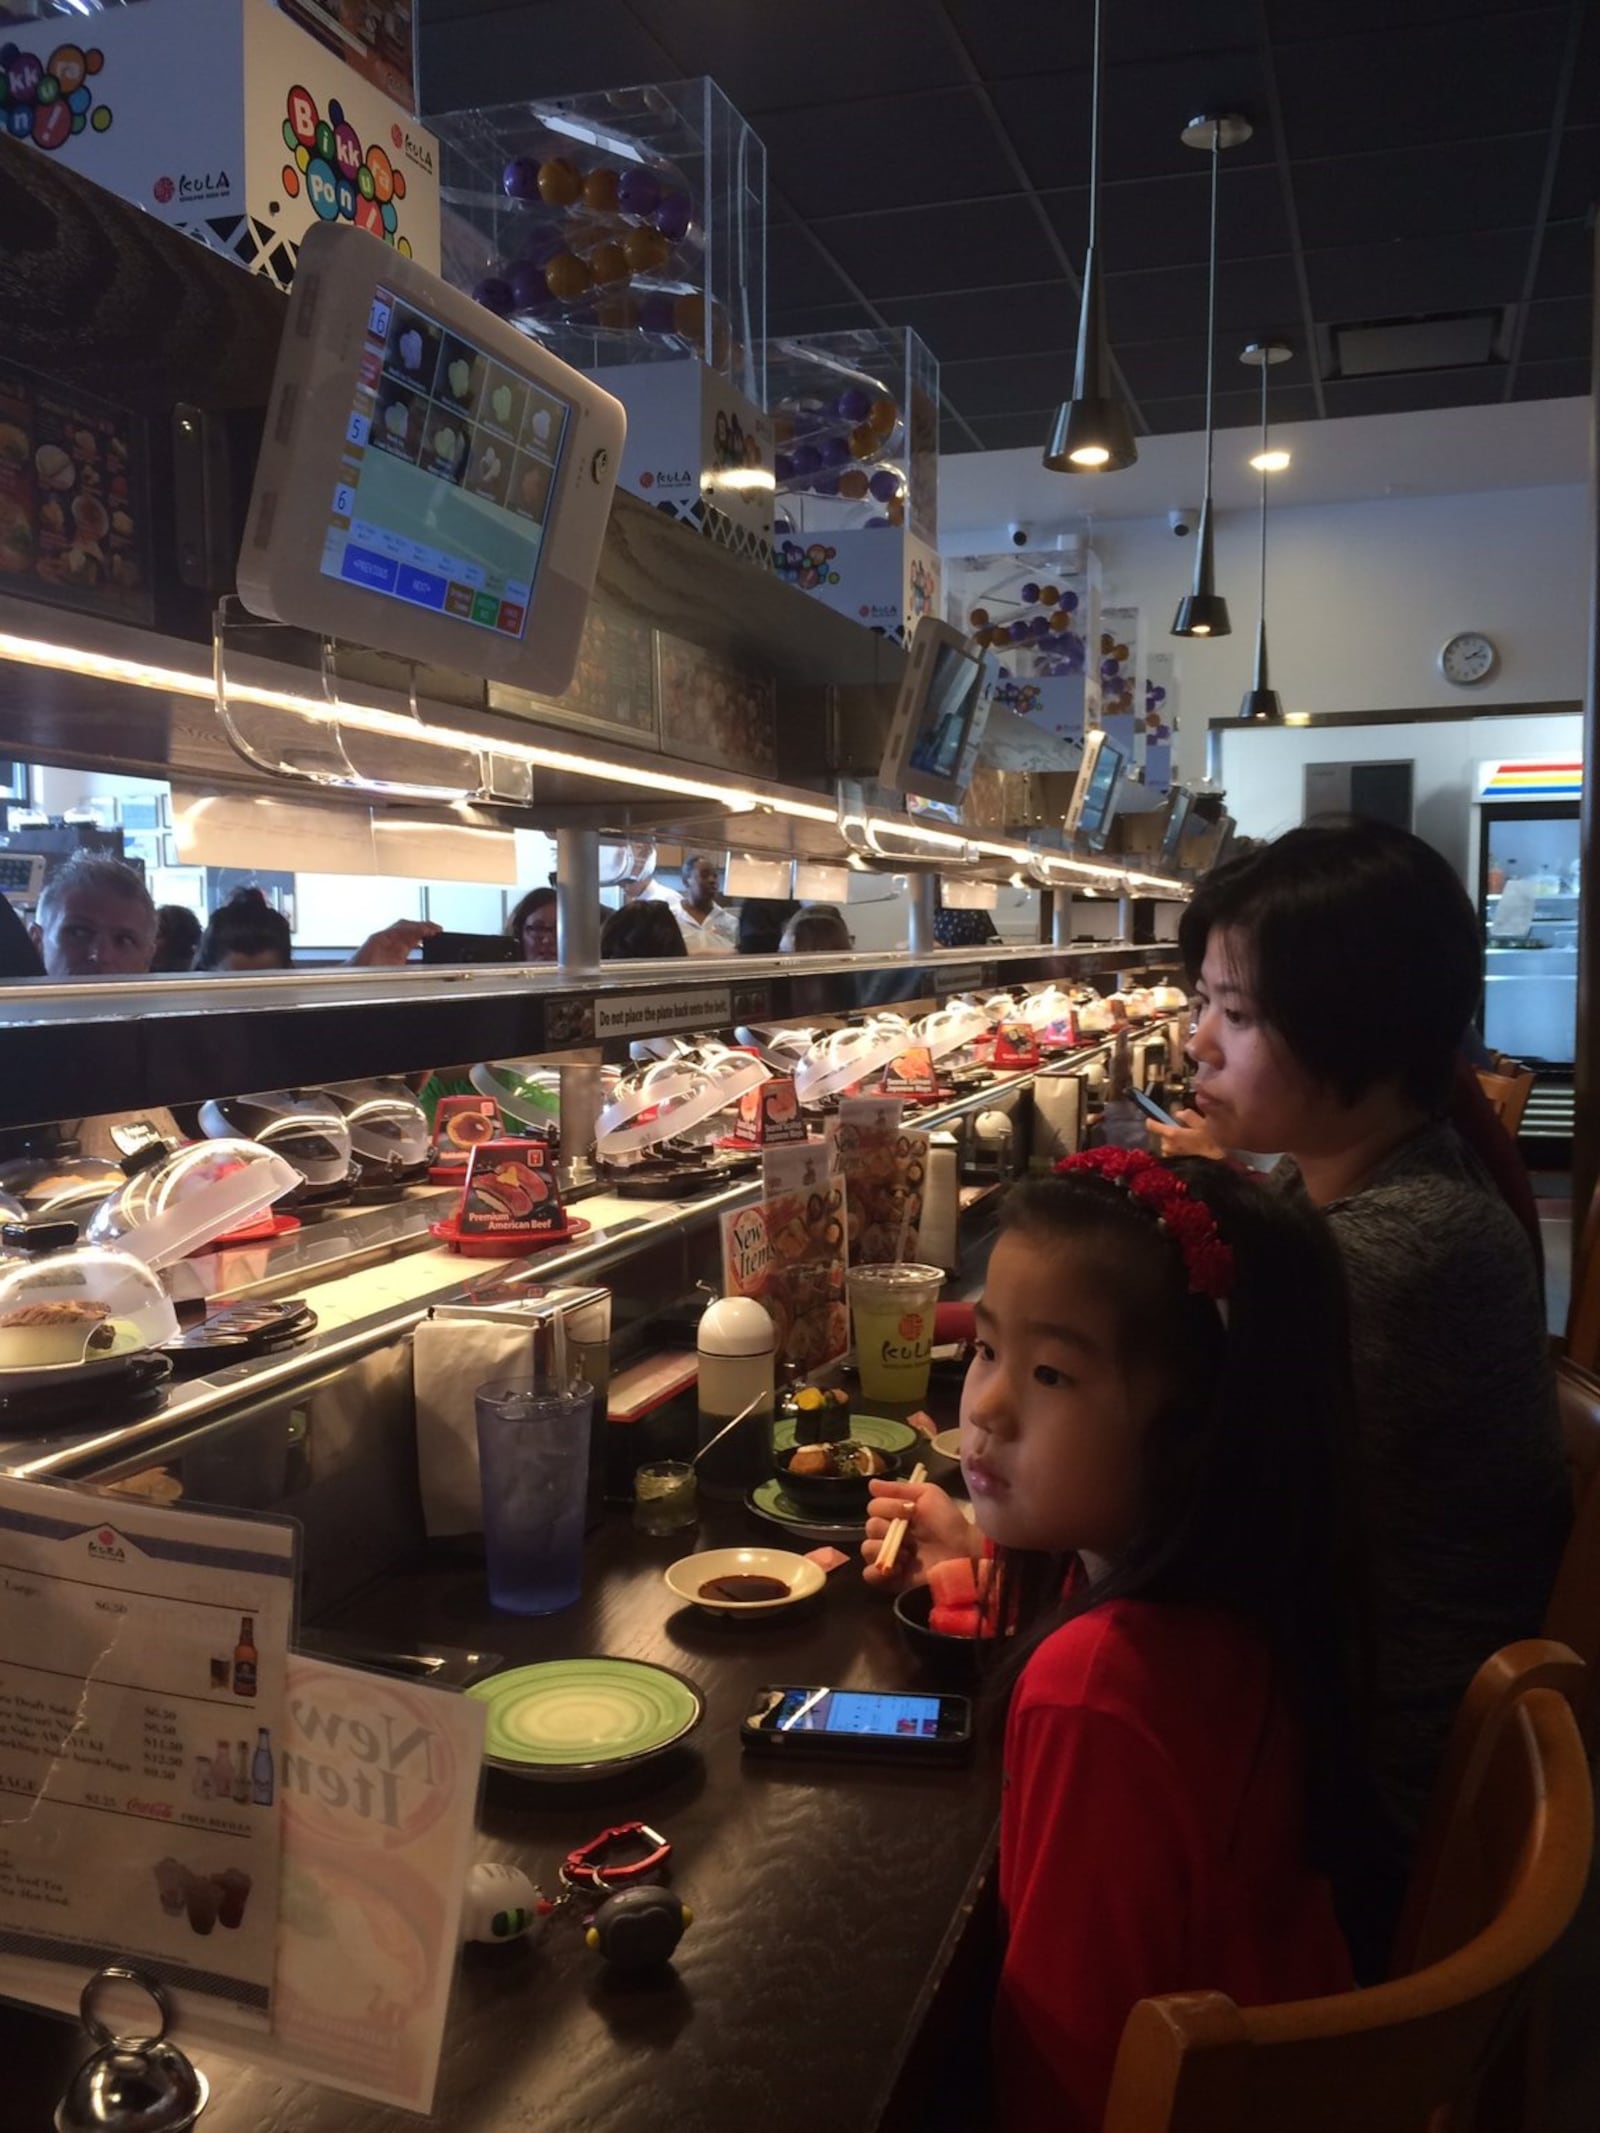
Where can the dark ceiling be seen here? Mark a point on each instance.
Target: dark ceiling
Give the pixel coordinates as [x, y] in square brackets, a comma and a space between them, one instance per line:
[927, 166]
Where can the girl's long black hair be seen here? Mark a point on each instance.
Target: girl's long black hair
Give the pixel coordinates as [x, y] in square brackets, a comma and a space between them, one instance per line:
[1246, 1489]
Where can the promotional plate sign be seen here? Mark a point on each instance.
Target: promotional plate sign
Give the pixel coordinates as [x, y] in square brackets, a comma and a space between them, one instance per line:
[911, 1074]
[510, 1191]
[459, 1124]
[769, 1115]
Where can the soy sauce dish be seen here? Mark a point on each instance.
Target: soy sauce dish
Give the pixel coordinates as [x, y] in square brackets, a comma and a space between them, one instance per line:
[744, 1581]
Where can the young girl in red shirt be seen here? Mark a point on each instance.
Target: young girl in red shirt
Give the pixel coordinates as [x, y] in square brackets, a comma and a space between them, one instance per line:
[1152, 1433]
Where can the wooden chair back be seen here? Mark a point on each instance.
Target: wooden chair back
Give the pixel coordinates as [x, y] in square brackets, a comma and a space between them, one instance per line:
[1508, 1092]
[1402, 2057]
[1457, 1887]
[1572, 1617]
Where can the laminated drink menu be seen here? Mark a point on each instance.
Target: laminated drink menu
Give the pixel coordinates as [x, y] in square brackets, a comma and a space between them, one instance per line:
[125, 1834]
[788, 1253]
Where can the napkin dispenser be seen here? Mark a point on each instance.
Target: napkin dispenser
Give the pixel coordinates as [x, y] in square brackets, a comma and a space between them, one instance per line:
[537, 1333]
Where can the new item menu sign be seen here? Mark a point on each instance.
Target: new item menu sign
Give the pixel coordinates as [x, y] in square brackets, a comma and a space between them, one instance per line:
[142, 1655]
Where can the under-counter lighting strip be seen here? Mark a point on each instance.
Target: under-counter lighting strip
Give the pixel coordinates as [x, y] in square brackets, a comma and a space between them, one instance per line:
[395, 725]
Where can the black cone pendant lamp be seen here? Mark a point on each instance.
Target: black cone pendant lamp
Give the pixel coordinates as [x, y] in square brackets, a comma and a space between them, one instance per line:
[1092, 433]
[1203, 612]
[1262, 705]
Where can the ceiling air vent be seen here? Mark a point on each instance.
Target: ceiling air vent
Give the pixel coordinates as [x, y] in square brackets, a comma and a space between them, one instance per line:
[1456, 340]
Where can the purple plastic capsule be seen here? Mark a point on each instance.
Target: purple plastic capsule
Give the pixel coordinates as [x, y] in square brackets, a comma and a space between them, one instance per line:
[826, 485]
[495, 294]
[1039, 626]
[1018, 632]
[1030, 595]
[782, 468]
[884, 485]
[835, 452]
[529, 289]
[807, 459]
[1069, 600]
[638, 191]
[656, 311]
[520, 178]
[852, 405]
[673, 216]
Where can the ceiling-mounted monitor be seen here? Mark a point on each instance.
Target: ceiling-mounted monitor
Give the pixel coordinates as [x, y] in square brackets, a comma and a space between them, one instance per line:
[1094, 796]
[430, 482]
[938, 725]
[1178, 808]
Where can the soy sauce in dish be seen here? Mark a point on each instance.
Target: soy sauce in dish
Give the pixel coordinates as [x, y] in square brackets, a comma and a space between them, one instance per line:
[746, 1587]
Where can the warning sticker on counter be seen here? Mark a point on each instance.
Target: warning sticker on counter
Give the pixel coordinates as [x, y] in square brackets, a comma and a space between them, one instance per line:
[641, 1014]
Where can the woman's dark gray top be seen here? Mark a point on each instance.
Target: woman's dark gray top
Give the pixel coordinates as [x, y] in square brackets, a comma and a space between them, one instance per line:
[1463, 1477]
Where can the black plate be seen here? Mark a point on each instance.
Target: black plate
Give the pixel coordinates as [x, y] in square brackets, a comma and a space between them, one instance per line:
[838, 1496]
[123, 1396]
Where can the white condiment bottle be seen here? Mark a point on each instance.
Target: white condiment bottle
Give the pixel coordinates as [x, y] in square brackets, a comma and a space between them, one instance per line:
[738, 1364]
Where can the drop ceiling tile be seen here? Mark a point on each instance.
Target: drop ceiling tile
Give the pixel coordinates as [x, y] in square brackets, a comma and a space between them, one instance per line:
[1419, 389]
[1166, 222]
[1416, 85]
[1253, 296]
[1558, 330]
[1577, 185]
[799, 276]
[561, 49]
[935, 250]
[972, 323]
[1297, 21]
[1007, 433]
[1143, 112]
[1001, 385]
[812, 57]
[1551, 381]
[884, 152]
[1403, 277]
[819, 318]
[1009, 38]
[1419, 192]
[1566, 259]
[1163, 370]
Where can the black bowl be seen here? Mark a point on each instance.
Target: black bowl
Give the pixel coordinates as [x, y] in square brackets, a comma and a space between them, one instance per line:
[841, 1496]
[954, 1661]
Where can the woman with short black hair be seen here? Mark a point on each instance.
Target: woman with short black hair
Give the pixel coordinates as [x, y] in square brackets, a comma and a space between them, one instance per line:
[1334, 971]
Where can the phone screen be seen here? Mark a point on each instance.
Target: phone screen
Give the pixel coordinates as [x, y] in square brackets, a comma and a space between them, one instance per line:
[1151, 1108]
[874, 1714]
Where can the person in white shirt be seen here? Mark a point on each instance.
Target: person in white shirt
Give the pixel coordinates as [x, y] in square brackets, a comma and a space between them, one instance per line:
[708, 928]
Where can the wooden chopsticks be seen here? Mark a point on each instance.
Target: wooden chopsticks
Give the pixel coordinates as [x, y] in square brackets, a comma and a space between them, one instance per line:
[897, 1526]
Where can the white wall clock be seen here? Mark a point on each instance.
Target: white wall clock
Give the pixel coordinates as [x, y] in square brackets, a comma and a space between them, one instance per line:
[1468, 657]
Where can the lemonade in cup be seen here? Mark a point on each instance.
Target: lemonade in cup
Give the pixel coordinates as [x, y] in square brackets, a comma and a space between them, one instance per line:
[891, 1308]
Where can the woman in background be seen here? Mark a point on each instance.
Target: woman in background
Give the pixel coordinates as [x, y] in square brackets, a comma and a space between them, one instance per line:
[640, 932]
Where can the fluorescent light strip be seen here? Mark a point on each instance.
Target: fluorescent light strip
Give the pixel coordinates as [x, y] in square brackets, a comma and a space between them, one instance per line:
[102, 666]
[396, 725]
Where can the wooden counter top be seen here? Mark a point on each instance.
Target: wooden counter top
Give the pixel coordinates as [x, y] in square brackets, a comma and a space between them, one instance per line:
[825, 1898]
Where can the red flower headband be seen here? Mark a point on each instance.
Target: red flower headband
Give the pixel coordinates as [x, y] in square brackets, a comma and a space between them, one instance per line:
[1187, 1219]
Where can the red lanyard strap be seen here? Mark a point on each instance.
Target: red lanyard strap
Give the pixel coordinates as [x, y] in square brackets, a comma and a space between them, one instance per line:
[590, 1865]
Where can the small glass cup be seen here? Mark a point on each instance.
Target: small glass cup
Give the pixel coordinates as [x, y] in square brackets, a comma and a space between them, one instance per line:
[664, 1497]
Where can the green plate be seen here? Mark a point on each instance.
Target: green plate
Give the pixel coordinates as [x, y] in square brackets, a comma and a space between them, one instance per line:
[875, 1431]
[772, 1502]
[568, 1719]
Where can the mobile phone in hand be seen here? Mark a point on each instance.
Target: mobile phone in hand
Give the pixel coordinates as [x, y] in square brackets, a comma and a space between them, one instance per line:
[1151, 1109]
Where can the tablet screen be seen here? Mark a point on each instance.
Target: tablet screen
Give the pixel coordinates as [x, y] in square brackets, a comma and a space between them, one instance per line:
[957, 692]
[448, 472]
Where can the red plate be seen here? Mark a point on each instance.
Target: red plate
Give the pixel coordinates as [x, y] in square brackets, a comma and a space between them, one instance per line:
[449, 1233]
[262, 1232]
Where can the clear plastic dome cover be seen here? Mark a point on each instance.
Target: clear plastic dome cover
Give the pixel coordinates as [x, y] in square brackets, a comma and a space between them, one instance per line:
[844, 1057]
[132, 1303]
[66, 1187]
[664, 1102]
[201, 1193]
[738, 1072]
[308, 1131]
[950, 1028]
[526, 1091]
[1168, 999]
[1043, 1009]
[388, 1126]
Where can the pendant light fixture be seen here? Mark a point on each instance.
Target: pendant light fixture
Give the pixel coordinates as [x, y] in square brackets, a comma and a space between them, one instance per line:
[1262, 705]
[1203, 612]
[1092, 433]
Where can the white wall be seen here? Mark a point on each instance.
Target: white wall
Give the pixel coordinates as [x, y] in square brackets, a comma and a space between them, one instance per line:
[1360, 598]
[1263, 768]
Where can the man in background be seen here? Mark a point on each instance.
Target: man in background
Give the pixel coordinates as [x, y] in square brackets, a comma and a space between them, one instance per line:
[95, 920]
[708, 928]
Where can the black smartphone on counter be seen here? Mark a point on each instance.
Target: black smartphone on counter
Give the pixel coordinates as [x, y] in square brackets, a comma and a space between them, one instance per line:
[469, 948]
[902, 1726]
